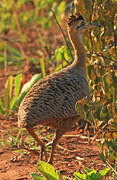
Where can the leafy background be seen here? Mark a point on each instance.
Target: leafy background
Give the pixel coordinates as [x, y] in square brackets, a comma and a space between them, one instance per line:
[24, 20]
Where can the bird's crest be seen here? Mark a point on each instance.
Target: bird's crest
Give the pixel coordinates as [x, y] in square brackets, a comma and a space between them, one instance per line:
[74, 18]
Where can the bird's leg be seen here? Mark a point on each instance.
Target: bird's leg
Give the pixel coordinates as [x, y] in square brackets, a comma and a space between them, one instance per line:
[63, 127]
[57, 136]
[32, 133]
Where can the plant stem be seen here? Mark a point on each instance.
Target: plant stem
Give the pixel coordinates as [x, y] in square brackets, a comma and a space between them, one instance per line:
[63, 34]
[104, 57]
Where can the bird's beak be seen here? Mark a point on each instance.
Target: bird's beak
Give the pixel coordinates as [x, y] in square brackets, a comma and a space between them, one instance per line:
[93, 25]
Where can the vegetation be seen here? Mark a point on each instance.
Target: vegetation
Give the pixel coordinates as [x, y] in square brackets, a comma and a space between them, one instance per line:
[19, 17]
[48, 172]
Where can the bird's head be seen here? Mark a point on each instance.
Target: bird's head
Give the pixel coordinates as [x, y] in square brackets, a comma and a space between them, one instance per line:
[77, 25]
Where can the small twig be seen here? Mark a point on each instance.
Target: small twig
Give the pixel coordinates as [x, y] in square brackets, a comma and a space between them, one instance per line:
[91, 16]
[62, 34]
[111, 66]
[109, 165]
[100, 55]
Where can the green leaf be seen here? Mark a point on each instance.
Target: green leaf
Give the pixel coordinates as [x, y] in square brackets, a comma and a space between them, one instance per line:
[61, 7]
[25, 89]
[92, 175]
[1, 107]
[14, 51]
[67, 54]
[19, 100]
[47, 170]
[18, 81]
[42, 64]
[58, 55]
[29, 84]
[36, 176]
[1, 59]
[13, 102]
[104, 172]
[81, 176]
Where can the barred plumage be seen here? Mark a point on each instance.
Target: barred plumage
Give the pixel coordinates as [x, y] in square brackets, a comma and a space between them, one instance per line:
[52, 98]
[51, 101]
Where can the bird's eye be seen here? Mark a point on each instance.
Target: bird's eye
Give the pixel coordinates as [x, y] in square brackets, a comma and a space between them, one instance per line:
[80, 24]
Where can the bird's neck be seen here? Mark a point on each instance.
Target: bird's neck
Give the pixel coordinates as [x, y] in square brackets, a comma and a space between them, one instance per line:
[80, 57]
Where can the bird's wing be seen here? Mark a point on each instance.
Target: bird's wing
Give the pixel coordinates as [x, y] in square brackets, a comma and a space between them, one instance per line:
[57, 97]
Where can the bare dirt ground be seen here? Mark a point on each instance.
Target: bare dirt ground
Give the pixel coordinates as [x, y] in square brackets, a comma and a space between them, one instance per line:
[73, 152]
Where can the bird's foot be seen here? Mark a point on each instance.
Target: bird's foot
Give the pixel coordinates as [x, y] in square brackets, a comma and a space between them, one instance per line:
[43, 152]
[50, 160]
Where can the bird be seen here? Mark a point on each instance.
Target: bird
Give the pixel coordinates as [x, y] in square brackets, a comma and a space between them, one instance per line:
[51, 101]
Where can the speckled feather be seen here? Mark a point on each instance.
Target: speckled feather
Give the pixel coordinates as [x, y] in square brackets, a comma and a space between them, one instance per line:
[53, 98]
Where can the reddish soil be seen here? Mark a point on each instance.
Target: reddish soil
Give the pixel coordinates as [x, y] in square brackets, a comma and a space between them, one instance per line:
[73, 152]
